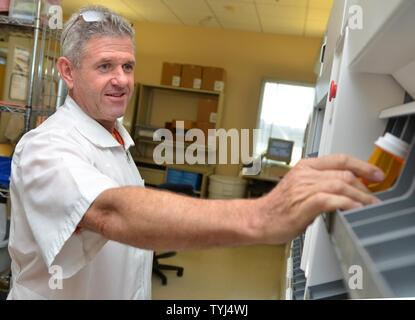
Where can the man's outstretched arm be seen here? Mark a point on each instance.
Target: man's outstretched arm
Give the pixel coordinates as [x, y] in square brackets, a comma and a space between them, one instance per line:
[154, 219]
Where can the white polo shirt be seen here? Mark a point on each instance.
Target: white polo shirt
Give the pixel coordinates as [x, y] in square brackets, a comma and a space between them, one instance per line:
[58, 170]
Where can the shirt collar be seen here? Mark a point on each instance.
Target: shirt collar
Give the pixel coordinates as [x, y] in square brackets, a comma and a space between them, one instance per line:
[93, 130]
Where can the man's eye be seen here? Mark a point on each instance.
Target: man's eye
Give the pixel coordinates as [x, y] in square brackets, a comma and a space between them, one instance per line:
[104, 67]
[128, 67]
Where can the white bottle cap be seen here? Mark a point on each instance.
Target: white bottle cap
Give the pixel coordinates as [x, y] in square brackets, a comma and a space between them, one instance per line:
[393, 145]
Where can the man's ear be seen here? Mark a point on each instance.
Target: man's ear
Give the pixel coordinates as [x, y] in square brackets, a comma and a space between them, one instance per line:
[65, 69]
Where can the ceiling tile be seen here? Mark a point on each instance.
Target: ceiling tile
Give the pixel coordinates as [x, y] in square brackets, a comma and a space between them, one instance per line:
[237, 1]
[232, 9]
[315, 28]
[236, 15]
[153, 10]
[294, 3]
[275, 12]
[318, 14]
[321, 4]
[289, 26]
[70, 6]
[192, 12]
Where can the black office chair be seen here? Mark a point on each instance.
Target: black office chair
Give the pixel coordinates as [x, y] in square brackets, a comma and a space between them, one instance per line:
[157, 266]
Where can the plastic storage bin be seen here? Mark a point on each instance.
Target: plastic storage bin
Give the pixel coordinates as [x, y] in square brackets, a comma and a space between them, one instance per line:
[5, 170]
[226, 187]
[23, 9]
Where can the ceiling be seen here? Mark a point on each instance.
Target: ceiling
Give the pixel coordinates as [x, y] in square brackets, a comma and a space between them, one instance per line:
[293, 17]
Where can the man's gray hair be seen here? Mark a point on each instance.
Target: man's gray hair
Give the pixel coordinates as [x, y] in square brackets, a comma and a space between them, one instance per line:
[77, 31]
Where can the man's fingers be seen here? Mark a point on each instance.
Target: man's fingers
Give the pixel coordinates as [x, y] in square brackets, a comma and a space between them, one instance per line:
[327, 202]
[345, 176]
[343, 162]
[339, 187]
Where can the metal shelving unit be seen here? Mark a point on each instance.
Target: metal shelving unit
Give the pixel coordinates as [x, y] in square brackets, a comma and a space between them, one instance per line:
[40, 78]
[12, 25]
[43, 80]
[158, 104]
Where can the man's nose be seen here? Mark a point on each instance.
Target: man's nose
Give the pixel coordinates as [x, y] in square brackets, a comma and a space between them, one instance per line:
[120, 77]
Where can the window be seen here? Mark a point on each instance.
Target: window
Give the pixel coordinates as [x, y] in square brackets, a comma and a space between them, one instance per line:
[284, 113]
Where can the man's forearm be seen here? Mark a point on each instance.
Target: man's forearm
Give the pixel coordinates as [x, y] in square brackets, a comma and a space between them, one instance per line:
[156, 219]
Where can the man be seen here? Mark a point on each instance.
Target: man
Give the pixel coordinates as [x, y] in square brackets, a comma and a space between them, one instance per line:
[80, 211]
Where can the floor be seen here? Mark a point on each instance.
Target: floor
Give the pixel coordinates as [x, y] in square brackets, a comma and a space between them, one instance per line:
[229, 274]
[246, 273]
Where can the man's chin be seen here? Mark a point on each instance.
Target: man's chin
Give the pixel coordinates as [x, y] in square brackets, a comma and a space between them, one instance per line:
[115, 109]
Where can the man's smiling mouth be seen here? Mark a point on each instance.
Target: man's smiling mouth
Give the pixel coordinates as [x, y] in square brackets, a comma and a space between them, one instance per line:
[115, 94]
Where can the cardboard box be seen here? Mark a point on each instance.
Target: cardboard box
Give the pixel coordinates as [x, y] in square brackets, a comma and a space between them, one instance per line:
[187, 124]
[171, 74]
[4, 5]
[205, 126]
[213, 79]
[191, 76]
[207, 110]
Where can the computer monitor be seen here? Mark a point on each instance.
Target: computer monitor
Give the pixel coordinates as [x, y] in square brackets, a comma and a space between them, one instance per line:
[280, 150]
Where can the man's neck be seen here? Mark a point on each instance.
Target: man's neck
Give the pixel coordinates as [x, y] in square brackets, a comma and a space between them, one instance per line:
[110, 126]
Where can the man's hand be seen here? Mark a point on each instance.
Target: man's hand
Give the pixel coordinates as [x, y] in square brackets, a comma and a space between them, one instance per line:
[312, 187]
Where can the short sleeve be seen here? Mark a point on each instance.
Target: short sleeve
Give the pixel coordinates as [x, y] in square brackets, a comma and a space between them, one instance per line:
[58, 184]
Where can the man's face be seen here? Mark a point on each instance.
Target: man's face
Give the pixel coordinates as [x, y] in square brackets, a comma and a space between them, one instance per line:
[104, 82]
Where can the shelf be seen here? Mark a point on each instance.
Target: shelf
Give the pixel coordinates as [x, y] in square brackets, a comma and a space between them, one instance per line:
[14, 22]
[215, 93]
[4, 193]
[13, 108]
[174, 144]
[328, 291]
[198, 168]
[380, 241]
[398, 111]
[143, 160]
[15, 26]
[19, 109]
[43, 112]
